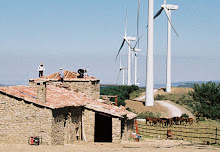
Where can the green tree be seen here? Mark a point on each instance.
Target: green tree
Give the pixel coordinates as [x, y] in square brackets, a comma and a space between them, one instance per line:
[123, 92]
[207, 96]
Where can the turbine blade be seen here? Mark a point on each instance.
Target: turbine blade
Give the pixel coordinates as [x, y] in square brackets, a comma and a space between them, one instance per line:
[164, 1]
[129, 44]
[138, 12]
[118, 76]
[137, 41]
[126, 22]
[120, 49]
[158, 13]
[169, 19]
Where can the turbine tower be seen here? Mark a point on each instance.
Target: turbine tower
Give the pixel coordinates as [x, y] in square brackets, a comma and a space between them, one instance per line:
[149, 100]
[167, 8]
[135, 65]
[136, 50]
[121, 68]
[128, 41]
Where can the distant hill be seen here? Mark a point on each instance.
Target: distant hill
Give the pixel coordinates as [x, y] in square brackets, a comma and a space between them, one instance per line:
[189, 84]
[184, 84]
[105, 86]
[1, 85]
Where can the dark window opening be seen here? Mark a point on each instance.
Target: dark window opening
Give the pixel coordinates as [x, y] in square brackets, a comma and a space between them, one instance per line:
[122, 126]
[103, 128]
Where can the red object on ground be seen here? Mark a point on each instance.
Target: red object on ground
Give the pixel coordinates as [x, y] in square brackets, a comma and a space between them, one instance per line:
[32, 141]
[136, 125]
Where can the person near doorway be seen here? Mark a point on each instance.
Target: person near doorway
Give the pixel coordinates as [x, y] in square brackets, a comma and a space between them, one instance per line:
[61, 73]
[41, 70]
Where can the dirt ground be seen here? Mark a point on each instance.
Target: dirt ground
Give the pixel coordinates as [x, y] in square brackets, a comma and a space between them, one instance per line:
[145, 145]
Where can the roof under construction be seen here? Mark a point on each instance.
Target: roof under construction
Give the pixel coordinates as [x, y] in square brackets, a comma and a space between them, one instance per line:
[57, 97]
[68, 75]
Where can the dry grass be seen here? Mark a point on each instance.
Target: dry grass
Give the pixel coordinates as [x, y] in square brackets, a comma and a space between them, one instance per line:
[174, 90]
[139, 107]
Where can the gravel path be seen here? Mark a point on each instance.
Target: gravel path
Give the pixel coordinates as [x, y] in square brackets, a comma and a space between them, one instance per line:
[173, 110]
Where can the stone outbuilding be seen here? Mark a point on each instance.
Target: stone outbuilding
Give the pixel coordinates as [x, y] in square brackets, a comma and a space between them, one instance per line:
[60, 116]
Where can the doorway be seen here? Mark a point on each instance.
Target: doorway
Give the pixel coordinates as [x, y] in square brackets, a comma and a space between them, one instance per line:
[103, 128]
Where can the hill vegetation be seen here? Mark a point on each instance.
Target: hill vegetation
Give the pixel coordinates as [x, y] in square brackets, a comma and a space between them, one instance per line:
[203, 100]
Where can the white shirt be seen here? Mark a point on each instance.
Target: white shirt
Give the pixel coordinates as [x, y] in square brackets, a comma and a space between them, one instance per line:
[41, 68]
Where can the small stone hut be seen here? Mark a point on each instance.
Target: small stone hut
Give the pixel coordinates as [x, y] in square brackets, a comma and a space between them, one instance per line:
[86, 84]
[60, 116]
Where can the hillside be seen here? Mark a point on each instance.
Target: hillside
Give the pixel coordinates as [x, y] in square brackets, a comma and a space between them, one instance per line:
[174, 91]
[137, 105]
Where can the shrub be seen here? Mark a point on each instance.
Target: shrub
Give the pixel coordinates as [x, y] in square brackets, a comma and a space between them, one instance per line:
[143, 115]
[185, 115]
[159, 97]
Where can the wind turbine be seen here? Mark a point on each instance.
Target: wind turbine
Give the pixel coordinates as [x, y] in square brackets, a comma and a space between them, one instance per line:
[149, 100]
[121, 68]
[167, 8]
[138, 49]
[128, 41]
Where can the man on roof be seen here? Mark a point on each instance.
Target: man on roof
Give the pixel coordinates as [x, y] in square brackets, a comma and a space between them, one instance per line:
[61, 73]
[41, 70]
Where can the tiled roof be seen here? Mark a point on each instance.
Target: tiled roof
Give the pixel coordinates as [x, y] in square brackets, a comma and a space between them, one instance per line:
[56, 97]
[68, 75]
[59, 98]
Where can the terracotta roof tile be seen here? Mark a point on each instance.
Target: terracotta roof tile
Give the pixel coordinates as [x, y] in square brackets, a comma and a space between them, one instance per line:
[59, 97]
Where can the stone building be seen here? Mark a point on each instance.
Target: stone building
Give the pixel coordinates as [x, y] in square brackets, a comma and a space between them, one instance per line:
[86, 84]
[60, 116]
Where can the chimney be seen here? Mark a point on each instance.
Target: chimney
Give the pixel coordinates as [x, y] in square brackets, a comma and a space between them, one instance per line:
[41, 91]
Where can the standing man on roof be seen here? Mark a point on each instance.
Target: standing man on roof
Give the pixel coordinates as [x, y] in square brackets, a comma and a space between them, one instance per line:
[61, 73]
[41, 70]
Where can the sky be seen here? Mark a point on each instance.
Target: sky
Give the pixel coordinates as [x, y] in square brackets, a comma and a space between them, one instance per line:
[79, 34]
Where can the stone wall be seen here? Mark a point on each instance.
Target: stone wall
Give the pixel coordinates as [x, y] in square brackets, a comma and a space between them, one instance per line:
[127, 129]
[116, 129]
[130, 128]
[88, 125]
[19, 120]
[41, 91]
[89, 87]
[66, 125]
